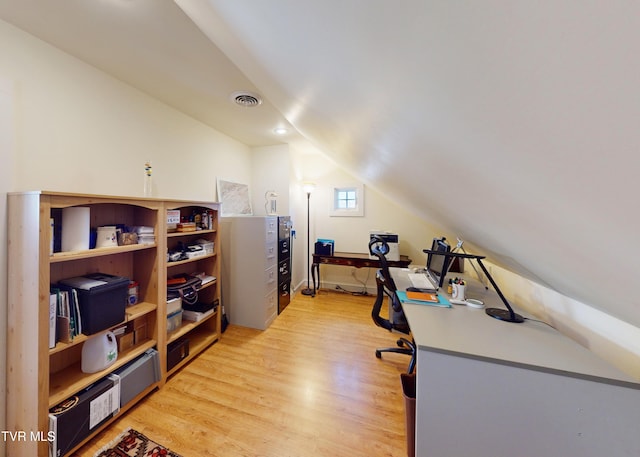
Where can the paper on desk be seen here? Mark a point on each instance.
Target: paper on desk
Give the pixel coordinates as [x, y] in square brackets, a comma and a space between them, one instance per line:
[442, 301]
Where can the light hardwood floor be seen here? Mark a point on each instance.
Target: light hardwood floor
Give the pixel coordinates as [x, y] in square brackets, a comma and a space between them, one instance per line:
[310, 385]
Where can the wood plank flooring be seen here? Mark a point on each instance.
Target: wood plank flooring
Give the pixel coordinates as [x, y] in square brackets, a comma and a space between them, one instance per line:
[309, 386]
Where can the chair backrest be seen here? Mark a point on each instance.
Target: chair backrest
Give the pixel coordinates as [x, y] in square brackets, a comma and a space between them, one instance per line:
[386, 288]
[379, 247]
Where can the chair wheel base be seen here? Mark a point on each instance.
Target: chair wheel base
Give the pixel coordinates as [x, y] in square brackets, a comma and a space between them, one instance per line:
[379, 354]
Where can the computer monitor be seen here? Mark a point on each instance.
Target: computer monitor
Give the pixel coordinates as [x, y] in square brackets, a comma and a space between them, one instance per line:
[438, 265]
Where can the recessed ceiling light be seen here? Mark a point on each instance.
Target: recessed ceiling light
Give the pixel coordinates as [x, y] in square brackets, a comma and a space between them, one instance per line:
[246, 99]
[280, 131]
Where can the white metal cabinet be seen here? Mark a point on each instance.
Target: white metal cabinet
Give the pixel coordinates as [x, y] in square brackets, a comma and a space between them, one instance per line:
[250, 274]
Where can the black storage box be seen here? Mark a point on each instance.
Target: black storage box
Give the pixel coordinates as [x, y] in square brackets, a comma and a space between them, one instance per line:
[200, 307]
[102, 299]
[322, 248]
[73, 420]
[177, 351]
[137, 375]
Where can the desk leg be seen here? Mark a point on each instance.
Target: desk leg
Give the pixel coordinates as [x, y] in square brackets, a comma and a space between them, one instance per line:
[315, 267]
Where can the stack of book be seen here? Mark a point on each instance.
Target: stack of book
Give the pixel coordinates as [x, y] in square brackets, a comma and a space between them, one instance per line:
[65, 322]
[145, 234]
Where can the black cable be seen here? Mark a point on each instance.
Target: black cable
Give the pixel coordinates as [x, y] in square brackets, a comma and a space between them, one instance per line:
[343, 290]
[364, 283]
[542, 322]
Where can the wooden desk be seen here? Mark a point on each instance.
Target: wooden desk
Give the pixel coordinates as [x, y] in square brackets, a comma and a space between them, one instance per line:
[490, 388]
[350, 259]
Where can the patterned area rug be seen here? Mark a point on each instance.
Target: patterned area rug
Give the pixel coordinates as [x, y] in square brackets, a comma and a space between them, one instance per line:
[132, 443]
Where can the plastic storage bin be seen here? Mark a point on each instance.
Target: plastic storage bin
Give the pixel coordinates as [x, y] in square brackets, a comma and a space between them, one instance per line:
[102, 299]
[174, 321]
[137, 375]
[173, 305]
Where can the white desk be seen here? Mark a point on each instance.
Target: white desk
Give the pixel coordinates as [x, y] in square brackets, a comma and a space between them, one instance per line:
[488, 388]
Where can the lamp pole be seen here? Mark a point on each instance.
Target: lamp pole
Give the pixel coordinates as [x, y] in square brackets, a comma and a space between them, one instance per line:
[308, 290]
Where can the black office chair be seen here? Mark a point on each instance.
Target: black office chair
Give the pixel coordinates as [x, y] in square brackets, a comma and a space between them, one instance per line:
[386, 289]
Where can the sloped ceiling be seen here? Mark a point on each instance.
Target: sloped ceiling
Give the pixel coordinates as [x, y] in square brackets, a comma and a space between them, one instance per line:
[513, 123]
[153, 46]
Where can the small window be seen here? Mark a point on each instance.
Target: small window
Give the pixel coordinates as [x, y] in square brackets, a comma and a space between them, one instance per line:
[347, 201]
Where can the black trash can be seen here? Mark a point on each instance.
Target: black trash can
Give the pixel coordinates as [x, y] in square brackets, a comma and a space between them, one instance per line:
[409, 394]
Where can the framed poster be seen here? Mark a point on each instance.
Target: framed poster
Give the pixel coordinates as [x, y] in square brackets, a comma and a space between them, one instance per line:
[234, 198]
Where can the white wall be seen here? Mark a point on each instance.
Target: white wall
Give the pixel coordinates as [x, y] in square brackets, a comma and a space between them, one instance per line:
[65, 126]
[80, 130]
[609, 337]
[6, 159]
[351, 234]
[270, 172]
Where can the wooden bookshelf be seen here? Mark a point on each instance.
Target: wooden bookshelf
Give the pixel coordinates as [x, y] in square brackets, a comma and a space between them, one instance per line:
[39, 377]
[202, 333]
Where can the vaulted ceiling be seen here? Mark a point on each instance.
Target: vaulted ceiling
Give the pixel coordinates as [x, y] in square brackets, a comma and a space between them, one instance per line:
[513, 123]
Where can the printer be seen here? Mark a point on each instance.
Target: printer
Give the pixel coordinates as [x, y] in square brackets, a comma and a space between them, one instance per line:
[391, 239]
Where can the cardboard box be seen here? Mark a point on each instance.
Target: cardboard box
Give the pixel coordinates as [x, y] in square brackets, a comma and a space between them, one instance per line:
[125, 341]
[73, 420]
[173, 219]
[139, 330]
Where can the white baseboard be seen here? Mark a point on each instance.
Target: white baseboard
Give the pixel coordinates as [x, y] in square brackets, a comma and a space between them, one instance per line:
[344, 286]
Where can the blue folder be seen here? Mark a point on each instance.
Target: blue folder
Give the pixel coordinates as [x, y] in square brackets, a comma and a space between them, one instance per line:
[442, 301]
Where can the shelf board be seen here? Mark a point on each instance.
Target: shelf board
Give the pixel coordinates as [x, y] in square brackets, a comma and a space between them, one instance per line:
[97, 252]
[208, 284]
[60, 346]
[197, 345]
[193, 232]
[71, 380]
[131, 313]
[195, 259]
[198, 342]
[139, 309]
[188, 326]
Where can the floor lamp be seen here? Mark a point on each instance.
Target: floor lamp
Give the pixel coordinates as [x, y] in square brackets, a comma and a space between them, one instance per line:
[308, 187]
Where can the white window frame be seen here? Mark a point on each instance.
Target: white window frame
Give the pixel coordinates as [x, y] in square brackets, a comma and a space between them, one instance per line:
[357, 211]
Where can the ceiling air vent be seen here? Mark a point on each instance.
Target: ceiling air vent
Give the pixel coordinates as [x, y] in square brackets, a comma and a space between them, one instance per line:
[246, 99]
